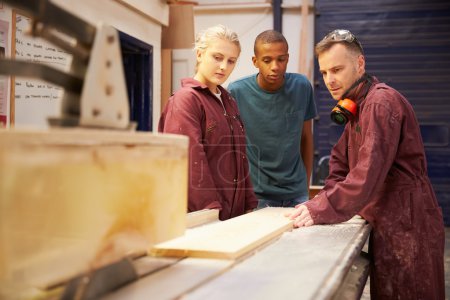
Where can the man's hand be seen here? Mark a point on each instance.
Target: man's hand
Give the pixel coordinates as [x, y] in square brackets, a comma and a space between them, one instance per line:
[301, 216]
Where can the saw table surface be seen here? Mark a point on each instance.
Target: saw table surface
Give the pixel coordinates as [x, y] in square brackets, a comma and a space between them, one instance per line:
[305, 263]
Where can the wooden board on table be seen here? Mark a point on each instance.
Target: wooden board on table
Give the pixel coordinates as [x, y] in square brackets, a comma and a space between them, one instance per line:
[228, 239]
[201, 217]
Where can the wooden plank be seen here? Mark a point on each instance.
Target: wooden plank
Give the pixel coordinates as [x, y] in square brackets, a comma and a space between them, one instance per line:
[166, 76]
[180, 33]
[228, 239]
[314, 190]
[305, 66]
[201, 217]
[304, 37]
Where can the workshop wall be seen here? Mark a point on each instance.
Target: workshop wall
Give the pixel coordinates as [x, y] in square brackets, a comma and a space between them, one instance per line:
[249, 18]
[136, 18]
[35, 100]
[144, 19]
[406, 45]
[141, 19]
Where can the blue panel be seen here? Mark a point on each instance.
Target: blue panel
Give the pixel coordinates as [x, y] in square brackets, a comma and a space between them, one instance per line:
[435, 135]
[137, 58]
[407, 45]
[335, 132]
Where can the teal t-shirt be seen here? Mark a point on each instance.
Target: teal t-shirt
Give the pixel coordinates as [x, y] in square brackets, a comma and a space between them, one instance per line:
[273, 122]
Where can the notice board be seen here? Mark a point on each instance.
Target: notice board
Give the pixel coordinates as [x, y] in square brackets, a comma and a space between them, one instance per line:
[33, 101]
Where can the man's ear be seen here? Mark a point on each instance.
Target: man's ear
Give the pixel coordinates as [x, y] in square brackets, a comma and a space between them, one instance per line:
[361, 64]
[255, 62]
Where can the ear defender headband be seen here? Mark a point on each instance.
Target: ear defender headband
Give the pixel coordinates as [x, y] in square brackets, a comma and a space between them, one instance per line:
[346, 110]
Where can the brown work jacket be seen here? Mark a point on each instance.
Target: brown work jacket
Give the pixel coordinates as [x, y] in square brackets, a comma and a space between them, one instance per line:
[378, 170]
[218, 165]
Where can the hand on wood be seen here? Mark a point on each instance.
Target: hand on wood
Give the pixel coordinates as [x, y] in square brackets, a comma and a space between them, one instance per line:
[301, 216]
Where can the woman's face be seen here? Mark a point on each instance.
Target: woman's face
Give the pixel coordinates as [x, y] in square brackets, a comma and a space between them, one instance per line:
[216, 63]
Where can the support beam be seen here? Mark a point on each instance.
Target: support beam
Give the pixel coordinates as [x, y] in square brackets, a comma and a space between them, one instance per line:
[277, 16]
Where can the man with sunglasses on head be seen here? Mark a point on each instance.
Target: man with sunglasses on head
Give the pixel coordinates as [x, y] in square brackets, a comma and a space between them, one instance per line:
[378, 171]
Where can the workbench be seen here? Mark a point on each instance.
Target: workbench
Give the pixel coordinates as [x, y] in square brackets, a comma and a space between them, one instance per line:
[317, 262]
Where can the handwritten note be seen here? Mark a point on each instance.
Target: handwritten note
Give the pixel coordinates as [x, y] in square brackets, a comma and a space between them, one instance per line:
[37, 100]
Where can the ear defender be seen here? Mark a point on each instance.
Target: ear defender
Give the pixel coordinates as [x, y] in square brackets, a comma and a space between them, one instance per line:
[344, 111]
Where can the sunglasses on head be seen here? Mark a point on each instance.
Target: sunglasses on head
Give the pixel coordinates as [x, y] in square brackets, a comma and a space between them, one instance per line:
[343, 35]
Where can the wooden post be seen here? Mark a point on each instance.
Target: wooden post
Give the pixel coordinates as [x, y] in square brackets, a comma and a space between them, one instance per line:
[305, 67]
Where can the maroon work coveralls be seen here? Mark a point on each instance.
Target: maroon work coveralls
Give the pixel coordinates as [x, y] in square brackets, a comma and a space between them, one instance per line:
[378, 170]
[218, 166]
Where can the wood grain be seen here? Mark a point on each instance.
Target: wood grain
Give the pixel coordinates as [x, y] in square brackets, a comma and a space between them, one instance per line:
[201, 217]
[228, 239]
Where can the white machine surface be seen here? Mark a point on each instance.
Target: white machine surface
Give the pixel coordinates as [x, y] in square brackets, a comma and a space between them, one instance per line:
[318, 262]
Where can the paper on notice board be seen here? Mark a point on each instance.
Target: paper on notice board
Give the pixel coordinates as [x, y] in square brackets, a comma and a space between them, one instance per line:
[36, 100]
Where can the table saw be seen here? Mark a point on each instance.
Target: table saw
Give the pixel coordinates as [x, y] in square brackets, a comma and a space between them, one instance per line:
[275, 262]
[318, 262]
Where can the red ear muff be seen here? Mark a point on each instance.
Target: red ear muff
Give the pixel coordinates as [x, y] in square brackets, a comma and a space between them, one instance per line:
[344, 111]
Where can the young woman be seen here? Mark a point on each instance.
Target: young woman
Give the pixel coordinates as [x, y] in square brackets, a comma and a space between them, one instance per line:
[205, 112]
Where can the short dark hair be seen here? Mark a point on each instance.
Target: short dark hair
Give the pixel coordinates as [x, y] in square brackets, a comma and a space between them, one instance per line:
[339, 36]
[269, 37]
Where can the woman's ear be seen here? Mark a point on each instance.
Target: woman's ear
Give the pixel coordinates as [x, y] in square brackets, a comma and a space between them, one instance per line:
[199, 55]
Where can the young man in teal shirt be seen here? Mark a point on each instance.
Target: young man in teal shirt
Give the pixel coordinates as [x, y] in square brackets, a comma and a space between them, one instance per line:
[277, 110]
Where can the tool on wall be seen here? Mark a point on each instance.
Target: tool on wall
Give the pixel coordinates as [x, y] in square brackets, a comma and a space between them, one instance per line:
[95, 90]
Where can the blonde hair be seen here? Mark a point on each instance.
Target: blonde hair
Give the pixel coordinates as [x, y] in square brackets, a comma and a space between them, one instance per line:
[211, 34]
